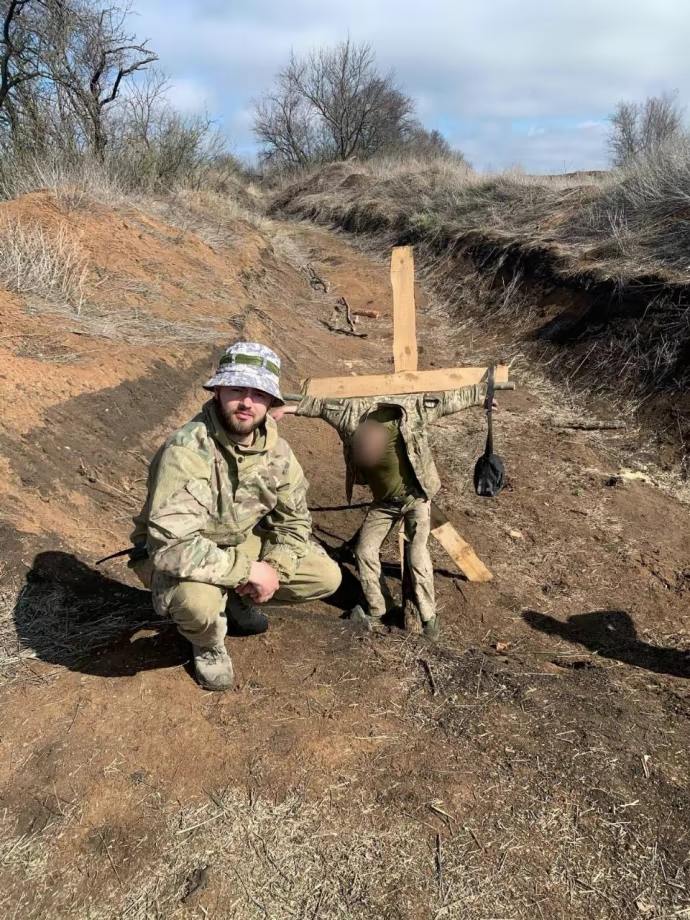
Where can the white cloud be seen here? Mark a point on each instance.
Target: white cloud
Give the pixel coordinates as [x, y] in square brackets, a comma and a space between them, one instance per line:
[191, 96]
[474, 69]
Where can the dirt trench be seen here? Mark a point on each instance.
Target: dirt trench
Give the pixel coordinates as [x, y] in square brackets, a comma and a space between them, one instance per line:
[533, 764]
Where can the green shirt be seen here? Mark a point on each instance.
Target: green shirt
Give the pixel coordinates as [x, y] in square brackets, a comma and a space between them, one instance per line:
[393, 477]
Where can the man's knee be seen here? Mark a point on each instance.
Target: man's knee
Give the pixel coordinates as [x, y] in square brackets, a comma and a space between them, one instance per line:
[195, 604]
[331, 577]
[367, 550]
[324, 578]
[317, 577]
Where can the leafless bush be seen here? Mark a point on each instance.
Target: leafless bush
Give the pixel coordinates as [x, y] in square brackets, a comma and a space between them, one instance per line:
[49, 265]
[640, 129]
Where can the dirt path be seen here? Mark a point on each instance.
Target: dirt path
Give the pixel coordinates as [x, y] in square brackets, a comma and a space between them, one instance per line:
[534, 764]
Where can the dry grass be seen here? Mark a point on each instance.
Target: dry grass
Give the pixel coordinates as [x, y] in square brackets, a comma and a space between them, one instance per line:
[537, 841]
[437, 201]
[620, 224]
[48, 265]
[48, 621]
[495, 248]
[136, 326]
[644, 211]
[74, 183]
[51, 271]
[216, 218]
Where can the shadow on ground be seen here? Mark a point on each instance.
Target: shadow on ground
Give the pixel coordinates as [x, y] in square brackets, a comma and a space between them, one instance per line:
[72, 615]
[75, 616]
[612, 634]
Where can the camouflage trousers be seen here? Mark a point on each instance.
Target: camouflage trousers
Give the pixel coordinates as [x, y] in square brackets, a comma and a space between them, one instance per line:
[198, 608]
[380, 520]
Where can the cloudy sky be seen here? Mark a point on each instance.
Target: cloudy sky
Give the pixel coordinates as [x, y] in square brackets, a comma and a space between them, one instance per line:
[509, 82]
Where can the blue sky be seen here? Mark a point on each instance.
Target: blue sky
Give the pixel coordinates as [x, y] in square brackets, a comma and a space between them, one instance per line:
[509, 82]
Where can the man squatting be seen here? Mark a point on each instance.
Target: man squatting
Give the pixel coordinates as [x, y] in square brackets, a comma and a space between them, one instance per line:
[386, 447]
[225, 522]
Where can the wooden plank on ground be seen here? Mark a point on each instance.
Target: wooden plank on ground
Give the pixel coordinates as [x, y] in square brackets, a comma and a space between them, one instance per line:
[404, 322]
[430, 381]
[461, 553]
[458, 549]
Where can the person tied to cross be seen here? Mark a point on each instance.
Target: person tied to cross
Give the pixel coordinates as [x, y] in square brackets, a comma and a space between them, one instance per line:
[225, 524]
[386, 447]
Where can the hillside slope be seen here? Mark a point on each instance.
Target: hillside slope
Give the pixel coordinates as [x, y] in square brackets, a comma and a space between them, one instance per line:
[533, 764]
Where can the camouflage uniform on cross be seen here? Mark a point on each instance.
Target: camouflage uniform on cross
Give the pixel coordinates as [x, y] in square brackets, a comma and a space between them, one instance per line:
[214, 506]
[413, 504]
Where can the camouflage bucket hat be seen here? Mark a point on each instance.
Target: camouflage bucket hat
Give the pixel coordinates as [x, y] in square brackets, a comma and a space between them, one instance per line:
[249, 364]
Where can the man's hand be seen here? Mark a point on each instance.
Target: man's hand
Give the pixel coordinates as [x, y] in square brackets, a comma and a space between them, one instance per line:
[494, 404]
[262, 583]
[281, 411]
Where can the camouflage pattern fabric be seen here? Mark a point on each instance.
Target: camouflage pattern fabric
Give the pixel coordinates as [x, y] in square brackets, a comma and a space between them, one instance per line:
[198, 609]
[380, 520]
[207, 494]
[419, 411]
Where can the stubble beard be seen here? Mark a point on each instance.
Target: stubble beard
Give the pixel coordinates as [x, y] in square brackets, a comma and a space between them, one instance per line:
[240, 427]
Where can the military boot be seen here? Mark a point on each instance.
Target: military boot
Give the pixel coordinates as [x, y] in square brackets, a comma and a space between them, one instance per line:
[244, 618]
[431, 629]
[360, 618]
[213, 667]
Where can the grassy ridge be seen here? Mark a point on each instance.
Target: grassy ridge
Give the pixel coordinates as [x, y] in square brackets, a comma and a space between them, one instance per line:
[619, 241]
[611, 225]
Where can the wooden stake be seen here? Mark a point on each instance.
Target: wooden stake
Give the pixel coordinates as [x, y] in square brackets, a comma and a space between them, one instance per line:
[404, 322]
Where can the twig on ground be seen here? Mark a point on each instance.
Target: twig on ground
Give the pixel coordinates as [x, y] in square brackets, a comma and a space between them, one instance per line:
[348, 313]
[430, 674]
[439, 865]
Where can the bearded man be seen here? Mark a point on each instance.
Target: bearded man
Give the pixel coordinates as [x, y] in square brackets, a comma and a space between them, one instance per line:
[225, 522]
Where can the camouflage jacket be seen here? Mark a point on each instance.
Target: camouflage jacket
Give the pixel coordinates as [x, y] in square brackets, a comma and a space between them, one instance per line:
[417, 412]
[206, 494]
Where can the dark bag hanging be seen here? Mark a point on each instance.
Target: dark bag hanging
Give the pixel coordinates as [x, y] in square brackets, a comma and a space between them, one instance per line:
[489, 470]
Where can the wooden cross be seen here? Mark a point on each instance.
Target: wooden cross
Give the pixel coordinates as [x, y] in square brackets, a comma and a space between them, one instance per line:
[407, 378]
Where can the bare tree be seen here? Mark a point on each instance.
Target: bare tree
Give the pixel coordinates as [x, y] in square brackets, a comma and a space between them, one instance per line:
[95, 54]
[284, 125]
[75, 82]
[623, 134]
[22, 51]
[660, 120]
[639, 129]
[332, 104]
[141, 107]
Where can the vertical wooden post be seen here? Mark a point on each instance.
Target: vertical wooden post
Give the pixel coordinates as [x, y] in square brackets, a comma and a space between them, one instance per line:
[404, 325]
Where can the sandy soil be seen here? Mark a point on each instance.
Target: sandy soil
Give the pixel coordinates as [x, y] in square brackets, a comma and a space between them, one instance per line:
[533, 764]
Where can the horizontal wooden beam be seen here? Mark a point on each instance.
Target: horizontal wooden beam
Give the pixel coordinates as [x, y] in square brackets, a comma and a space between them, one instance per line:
[404, 382]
